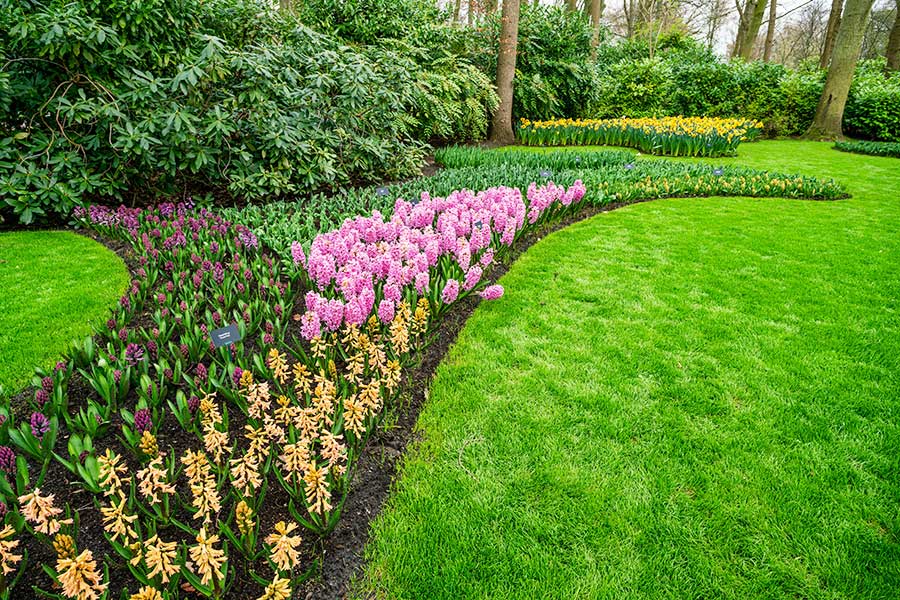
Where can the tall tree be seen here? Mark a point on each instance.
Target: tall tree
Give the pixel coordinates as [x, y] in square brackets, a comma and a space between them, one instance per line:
[892, 53]
[286, 5]
[572, 5]
[501, 125]
[751, 17]
[847, 44]
[470, 14]
[597, 7]
[770, 31]
[834, 23]
[456, 11]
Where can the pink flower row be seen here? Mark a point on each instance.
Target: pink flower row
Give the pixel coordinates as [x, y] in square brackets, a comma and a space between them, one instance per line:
[368, 265]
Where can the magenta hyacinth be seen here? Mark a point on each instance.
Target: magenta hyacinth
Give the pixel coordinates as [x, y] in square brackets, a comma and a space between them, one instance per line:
[133, 354]
[142, 420]
[386, 311]
[40, 424]
[7, 460]
[310, 325]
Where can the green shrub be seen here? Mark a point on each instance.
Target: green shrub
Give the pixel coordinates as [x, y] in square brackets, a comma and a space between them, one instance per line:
[873, 109]
[873, 148]
[129, 101]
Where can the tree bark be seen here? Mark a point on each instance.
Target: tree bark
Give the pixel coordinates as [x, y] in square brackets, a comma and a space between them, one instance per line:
[456, 11]
[893, 47]
[770, 31]
[286, 6]
[572, 5]
[834, 23]
[597, 7]
[751, 21]
[501, 126]
[847, 45]
[470, 15]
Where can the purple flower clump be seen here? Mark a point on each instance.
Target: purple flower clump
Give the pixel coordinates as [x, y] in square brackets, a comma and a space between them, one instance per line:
[133, 354]
[7, 460]
[39, 424]
[142, 420]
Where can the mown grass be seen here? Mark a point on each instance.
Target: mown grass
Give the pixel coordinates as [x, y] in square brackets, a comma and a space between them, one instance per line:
[53, 286]
[678, 399]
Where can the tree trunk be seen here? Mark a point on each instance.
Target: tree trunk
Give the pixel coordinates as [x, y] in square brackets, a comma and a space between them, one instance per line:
[501, 126]
[597, 7]
[456, 11]
[834, 23]
[470, 15]
[893, 48]
[770, 31]
[847, 45]
[572, 5]
[748, 29]
[286, 6]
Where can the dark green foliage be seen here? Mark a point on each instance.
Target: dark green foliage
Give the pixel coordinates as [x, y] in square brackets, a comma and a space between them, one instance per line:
[369, 21]
[132, 100]
[874, 107]
[683, 78]
[873, 148]
[610, 176]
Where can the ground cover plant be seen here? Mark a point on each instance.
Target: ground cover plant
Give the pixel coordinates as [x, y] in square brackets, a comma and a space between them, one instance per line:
[871, 148]
[217, 469]
[683, 398]
[669, 136]
[55, 286]
[609, 176]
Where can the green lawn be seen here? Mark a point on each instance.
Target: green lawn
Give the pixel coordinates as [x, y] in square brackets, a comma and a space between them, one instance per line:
[53, 286]
[679, 399]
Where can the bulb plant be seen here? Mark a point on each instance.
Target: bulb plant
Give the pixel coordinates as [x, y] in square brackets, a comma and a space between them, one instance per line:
[669, 136]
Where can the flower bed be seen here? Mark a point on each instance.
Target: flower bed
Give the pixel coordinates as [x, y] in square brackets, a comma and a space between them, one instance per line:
[218, 469]
[872, 148]
[214, 443]
[670, 136]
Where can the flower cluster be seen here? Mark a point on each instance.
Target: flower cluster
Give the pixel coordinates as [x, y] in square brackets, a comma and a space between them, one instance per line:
[672, 136]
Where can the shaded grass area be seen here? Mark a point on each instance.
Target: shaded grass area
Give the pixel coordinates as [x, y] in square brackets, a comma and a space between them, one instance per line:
[679, 399]
[53, 286]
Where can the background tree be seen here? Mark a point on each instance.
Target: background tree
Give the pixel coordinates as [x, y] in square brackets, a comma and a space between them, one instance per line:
[847, 44]
[834, 22]
[501, 126]
[751, 17]
[892, 53]
[770, 31]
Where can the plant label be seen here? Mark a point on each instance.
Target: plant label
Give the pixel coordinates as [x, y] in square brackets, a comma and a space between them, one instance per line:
[225, 336]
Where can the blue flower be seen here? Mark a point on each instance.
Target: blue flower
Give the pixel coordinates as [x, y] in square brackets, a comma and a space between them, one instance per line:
[629, 166]
[545, 174]
[718, 171]
[382, 191]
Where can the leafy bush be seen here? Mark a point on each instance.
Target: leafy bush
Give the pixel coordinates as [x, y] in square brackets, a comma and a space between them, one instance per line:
[128, 101]
[873, 110]
[872, 148]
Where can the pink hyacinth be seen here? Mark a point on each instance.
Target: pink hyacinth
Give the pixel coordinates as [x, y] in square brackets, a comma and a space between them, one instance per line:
[310, 326]
[473, 276]
[297, 254]
[492, 292]
[450, 291]
[386, 311]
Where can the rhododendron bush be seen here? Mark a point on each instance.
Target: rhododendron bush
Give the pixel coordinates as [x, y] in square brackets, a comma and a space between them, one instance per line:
[186, 447]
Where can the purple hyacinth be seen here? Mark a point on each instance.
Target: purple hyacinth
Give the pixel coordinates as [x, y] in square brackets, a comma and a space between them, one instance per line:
[39, 424]
[142, 420]
[7, 460]
[201, 372]
[117, 376]
[60, 366]
[41, 397]
[133, 354]
[193, 404]
[123, 334]
[236, 375]
[47, 384]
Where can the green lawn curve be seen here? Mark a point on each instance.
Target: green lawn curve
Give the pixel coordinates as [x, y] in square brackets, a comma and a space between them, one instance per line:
[53, 286]
[679, 399]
